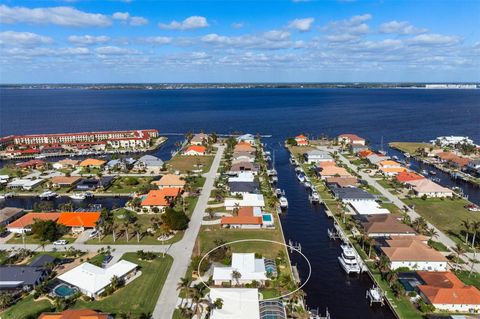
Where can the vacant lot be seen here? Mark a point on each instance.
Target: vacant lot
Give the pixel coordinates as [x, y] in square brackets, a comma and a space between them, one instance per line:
[185, 164]
[409, 147]
[129, 184]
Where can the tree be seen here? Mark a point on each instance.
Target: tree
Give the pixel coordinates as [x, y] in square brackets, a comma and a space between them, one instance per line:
[420, 225]
[115, 282]
[47, 230]
[211, 213]
[475, 226]
[236, 275]
[5, 300]
[176, 220]
[468, 228]
[459, 250]
[183, 285]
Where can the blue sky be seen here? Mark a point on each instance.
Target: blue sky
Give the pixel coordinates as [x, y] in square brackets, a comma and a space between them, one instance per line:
[239, 41]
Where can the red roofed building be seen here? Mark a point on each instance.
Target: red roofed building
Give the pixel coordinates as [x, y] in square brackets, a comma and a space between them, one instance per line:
[365, 153]
[446, 292]
[79, 221]
[407, 176]
[195, 150]
[22, 225]
[161, 198]
[31, 164]
[351, 139]
[75, 314]
[244, 219]
[301, 140]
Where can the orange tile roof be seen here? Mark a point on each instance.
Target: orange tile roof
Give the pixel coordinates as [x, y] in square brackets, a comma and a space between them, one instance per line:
[92, 162]
[352, 137]
[64, 179]
[79, 219]
[74, 314]
[196, 148]
[393, 169]
[446, 288]
[334, 170]
[409, 249]
[326, 164]
[169, 180]
[30, 218]
[244, 147]
[408, 176]
[161, 197]
[242, 220]
[300, 137]
[365, 153]
[389, 163]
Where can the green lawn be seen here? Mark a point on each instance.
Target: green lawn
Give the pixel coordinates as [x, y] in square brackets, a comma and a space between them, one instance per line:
[409, 147]
[27, 308]
[437, 245]
[473, 279]
[31, 239]
[178, 315]
[129, 184]
[139, 296]
[190, 163]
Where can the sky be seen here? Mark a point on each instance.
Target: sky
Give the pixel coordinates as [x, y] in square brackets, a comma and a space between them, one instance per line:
[134, 41]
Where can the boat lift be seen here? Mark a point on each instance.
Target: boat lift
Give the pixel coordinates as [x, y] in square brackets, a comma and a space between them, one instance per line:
[295, 245]
[375, 295]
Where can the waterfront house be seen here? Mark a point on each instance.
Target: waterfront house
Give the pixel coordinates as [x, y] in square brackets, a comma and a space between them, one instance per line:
[92, 280]
[316, 156]
[301, 140]
[247, 218]
[334, 171]
[403, 251]
[9, 214]
[244, 166]
[238, 303]
[170, 181]
[242, 188]
[250, 268]
[25, 277]
[448, 293]
[425, 187]
[452, 140]
[76, 314]
[376, 158]
[31, 164]
[321, 165]
[474, 166]
[23, 224]
[247, 138]
[90, 184]
[160, 198]
[355, 148]
[351, 139]
[385, 225]
[242, 177]
[388, 164]
[453, 159]
[149, 163]
[352, 194]
[199, 139]
[341, 181]
[253, 200]
[4, 179]
[79, 221]
[406, 176]
[92, 163]
[392, 171]
[25, 184]
[365, 153]
[64, 181]
[65, 163]
[244, 147]
[367, 208]
[195, 150]
[238, 157]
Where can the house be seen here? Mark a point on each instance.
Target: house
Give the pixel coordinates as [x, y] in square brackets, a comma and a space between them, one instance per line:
[386, 225]
[365, 153]
[448, 293]
[403, 251]
[247, 218]
[355, 148]
[65, 163]
[451, 140]
[199, 139]
[352, 194]
[22, 225]
[25, 184]
[315, 156]
[75, 314]
[242, 177]
[90, 184]
[301, 140]
[406, 176]
[388, 164]
[247, 138]
[79, 221]
[92, 280]
[474, 165]
[161, 198]
[321, 165]
[367, 208]
[32, 164]
[242, 188]
[425, 187]
[341, 181]
[9, 214]
[250, 268]
[453, 159]
[195, 150]
[376, 158]
[244, 147]
[392, 171]
[4, 179]
[334, 171]
[253, 200]
[238, 303]
[244, 166]
[351, 139]
[64, 181]
[170, 181]
[149, 163]
[25, 277]
[92, 163]
[243, 157]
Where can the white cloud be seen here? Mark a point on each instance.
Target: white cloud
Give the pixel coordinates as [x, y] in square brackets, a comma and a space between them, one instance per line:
[349, 29]
[271, 40]
[87, 39]
[157, 40]
[64, 16]
[402, 27]
[193, 22]
[138, 21]
[13, 38]
[122, 16]
[301, 24]
[113, 50]
[238, 25]
[45, 52]
[125, 17]
[434, 39]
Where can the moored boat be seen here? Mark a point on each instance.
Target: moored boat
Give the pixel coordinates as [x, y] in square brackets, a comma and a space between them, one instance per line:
[348, 260]
[283, 202]
[48, 195]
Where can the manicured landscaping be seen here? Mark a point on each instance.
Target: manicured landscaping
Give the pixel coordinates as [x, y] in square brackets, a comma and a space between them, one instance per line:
[129, 184]
[27, 308]
[469, 279]
[410, 147]
[186, 164]
[139, 296]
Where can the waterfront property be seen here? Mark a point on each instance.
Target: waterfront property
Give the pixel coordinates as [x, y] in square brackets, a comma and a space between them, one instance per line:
[411, 253]
[25, 277]
[160, 199]
[247, 217]
[25, 184]
[352, 194]
[385, 225]
[149, 164]
[252, 200]
[301, 140]
[407, 176]
[64, 181]
[362, 207]
[23, 224]
[334, 171]
[65, 163]
[195, 150]
[92, 163]
[238, 303]
[9, 214]
[351, 139]
[341, 181]
[243, 188]
[249, 268]
[244, 147]
[247, 138]
[316, 156]
[92, 280]
[75, 314]
[425, 187]
[90, 184]
[244, 166]
[170, 181]
[79, 221]
[199, 139]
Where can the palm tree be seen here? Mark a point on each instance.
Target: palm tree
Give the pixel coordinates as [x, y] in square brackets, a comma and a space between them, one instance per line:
[236, 275]
[114, 282]
[459, 250]
[115, 228]
[475, 226]
[138, 230]
[126, 228]
[383, 264]
[420, 225]
[468, 228]
[182, 285]
[432, 232]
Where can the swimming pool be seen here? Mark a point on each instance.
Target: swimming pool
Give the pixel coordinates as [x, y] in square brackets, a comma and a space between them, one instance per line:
[64, 290]
[267, 218]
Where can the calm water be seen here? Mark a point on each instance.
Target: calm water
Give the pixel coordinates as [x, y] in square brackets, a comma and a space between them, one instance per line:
[410, 115]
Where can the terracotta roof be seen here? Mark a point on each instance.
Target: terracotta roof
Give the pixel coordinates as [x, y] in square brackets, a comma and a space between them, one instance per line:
[352, 137]
[92, 162]
[79, 219]
[427, 186]
[74, 314]
[326, 164]
[365, 153]
[408, 176]
[386, 224]
[451, 157]
[389, 163]
[393, 169]
[334, 170]
[170, 180]
[64, 180]
[196, 148]
[243, 147]
[446, 288]
[30, 218]
[408, 249]
[342, 181]
[161, 197]
[300, 137]
[242, 220]
[33, 162]
[68, 161]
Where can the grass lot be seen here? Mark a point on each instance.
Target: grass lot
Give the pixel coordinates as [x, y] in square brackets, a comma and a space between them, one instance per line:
[299, 150]
[31, 239]
[473, 279]
[189, 163]
[178, 315]
[129, 184]
[437, 245]
[445, 214]
[140, 296]
[409, 147]
[27, 308]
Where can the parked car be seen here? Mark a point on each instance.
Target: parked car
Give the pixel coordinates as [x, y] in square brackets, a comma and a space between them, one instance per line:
[60, 242]
[95, 233]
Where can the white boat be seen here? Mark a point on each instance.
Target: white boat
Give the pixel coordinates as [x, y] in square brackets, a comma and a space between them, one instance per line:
[48, 195]
[315, 198]
[348, 260]
[298, 169]
[433, 172]
[375, 294]
[301, 178]
[273, 179]
[272, 172]
[424, 172]
[307, 184]
[283, 202]
[395, 157]
[78, 196]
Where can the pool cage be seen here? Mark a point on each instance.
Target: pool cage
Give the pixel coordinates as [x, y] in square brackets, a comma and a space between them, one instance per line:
[272, 309]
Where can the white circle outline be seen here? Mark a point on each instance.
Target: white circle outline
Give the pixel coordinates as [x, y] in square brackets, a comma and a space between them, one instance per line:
[261, 240]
